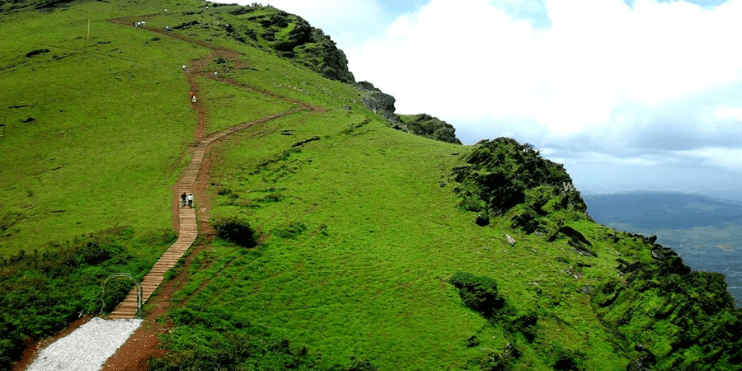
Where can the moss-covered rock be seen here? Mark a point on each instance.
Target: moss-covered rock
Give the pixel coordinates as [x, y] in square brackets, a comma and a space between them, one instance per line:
[674, 318]
[428, 126]
[478, 292]
[502, 174]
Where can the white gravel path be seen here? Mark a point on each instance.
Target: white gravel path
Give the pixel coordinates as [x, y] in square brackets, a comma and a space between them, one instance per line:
[87, 348]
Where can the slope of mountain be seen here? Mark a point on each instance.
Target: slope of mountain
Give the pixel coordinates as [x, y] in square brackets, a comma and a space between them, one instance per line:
[377, 249]
[706, 232]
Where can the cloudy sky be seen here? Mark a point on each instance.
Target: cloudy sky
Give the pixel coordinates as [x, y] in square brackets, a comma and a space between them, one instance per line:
[629, 95]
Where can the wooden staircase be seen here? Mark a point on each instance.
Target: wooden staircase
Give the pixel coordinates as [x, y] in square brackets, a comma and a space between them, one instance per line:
[188, 225]
[128, 307]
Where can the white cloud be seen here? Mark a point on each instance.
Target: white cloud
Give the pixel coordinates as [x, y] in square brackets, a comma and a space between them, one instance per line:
[727, 158]
[729, 113]
[603, 158]
[598, 61]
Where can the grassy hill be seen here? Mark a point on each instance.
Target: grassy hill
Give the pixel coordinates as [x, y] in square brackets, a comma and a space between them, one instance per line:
[379, 249]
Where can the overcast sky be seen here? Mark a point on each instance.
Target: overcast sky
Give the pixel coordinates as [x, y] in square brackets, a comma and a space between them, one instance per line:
[629, 95]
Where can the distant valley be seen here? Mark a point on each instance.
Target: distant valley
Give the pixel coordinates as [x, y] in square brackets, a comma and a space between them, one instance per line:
[705, 232]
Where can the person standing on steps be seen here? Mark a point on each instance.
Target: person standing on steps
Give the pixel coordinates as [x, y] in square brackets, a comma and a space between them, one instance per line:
[190, 200]
[183, 200]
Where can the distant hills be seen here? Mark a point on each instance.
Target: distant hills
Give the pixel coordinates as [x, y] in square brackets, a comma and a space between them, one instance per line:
[706, 232]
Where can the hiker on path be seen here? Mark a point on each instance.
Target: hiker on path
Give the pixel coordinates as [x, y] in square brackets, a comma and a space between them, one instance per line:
[183, 200]
[193, 100]
[215, 74]
[190, 200]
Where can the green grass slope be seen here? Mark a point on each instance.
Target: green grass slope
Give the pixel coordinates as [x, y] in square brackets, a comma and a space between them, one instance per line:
[378, 249]
[94, 130]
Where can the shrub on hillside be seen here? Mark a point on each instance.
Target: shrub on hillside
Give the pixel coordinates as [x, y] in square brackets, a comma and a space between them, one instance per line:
[478, 292]
[293, 230]
[235, 230]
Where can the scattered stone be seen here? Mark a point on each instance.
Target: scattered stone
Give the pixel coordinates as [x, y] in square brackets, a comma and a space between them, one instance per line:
[186, 25]
[583, 251]
[301, 143]
[657, 254]
[36, 52]
[574, 235]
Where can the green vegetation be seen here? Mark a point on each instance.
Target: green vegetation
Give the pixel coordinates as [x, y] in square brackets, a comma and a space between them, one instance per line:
[478, 293]
[94, 130]
[365, 231]
[43, 291]
[235, 231]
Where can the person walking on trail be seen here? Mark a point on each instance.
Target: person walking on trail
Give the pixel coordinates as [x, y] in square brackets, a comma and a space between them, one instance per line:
[193, 100]
[183, 200]
[190, 200]
[215, 74]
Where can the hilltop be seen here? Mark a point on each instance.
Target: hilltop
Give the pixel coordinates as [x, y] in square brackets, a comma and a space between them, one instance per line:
[366, 239]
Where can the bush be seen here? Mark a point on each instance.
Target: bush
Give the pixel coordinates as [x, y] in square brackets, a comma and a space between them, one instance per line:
[235, 230]
[292, 230]
[478, 292]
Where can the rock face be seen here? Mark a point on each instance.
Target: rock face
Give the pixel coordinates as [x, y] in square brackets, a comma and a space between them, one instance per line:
[292, 37]
[423, 124]
[378, 101]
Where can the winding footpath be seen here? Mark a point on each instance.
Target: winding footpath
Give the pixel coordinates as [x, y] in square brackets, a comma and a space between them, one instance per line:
[90, 345]
[187, 221]
[186, 215]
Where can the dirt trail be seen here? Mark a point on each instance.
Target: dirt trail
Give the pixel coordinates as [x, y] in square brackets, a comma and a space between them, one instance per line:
[143, 343]
[187, 221]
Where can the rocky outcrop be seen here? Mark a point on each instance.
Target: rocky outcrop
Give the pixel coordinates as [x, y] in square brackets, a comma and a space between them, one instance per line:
[423, 124]
[429, 127]
[502, 173]
[292, 37]
[377, 101]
